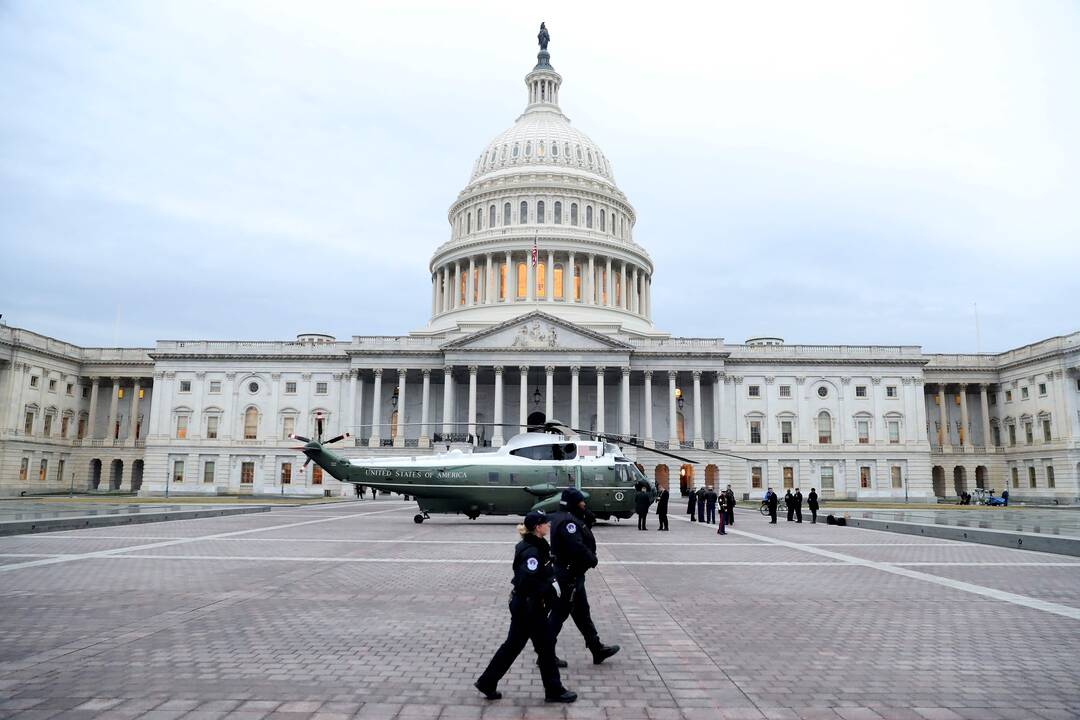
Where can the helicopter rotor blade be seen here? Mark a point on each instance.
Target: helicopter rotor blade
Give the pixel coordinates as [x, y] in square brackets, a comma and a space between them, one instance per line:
[301, 438]
[339, 437]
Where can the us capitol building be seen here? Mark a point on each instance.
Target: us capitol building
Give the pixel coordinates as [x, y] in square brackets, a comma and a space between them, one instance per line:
[541, 307]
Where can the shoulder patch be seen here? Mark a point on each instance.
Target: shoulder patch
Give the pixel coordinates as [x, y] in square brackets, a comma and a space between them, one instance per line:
[571, 528]
[532, 564]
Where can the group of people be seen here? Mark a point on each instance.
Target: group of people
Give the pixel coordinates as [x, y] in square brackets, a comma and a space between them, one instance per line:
[793, 501]
[707, 502]
[549, 587]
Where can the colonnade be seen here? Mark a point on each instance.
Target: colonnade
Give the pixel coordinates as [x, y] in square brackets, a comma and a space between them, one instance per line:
[510, 276]
[941, 436]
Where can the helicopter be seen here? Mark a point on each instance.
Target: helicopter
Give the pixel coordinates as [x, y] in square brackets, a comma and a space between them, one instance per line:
[527, 473]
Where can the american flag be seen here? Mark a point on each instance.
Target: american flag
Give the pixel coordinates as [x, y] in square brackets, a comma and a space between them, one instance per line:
[534, 252]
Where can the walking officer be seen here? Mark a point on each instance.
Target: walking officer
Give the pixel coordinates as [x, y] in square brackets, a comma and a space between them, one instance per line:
[574, 552]
[530, 601]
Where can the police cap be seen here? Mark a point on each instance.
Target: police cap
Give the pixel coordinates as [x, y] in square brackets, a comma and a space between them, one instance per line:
[571, 497]
[534, 518]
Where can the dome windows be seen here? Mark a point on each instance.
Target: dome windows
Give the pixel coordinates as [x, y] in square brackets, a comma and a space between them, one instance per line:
[602, 219]
[578, 148]
[506, 214]
[514, 153]
[554, 150]
[558, 205]
[528, 149]
[504, 153]
[540, 212]
[589, 153]
[491, 217]
[588, 216]
[566, 151]
[573, 214]
[523, 213]
[540, 149]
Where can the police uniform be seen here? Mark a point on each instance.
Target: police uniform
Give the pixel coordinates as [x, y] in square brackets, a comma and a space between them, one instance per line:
[530, 601]
[574, 549]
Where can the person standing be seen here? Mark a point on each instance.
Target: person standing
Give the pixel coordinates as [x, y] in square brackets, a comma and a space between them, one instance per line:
[373, 492]
[710, 504]
[641, 506]
[723, 514]
[730, 505]
[773, 501]
[700, 495]
[1005, 496]
[812, 503]
[789, 501]
[530, 600]
[690, 503]
[798, 505]
[661, 508]
[574, 552]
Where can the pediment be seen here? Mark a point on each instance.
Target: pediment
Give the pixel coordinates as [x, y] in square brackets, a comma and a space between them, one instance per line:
[537, 331]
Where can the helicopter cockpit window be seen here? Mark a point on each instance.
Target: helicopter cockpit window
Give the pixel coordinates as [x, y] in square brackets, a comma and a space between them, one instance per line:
[636, 476]
[610, 449]
[565, 451]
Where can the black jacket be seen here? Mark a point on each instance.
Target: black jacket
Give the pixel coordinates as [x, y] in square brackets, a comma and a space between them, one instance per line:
[811, 500]
[533, 571]
[662, 501]
[730, 494]
[691, 501]
[573, 546]
[710, 498]
[774, 500]
[798, 499]
[789, 499]
[642, 501]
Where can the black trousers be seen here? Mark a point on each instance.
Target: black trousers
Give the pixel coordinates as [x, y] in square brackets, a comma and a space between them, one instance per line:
[662, 517]
[813, 515]
[710, 514]
[730, 516]
[798, 513]
[701, 511]
[791, 512]
[525, 624]
[641, 521]
[573, 602]
[772, 514]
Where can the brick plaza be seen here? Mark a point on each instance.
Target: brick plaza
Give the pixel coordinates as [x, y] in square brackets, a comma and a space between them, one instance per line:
[352, 610]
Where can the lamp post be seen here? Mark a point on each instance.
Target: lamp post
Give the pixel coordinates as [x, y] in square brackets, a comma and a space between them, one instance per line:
[167, 478]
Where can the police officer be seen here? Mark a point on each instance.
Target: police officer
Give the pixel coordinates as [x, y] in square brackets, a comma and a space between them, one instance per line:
[798, 505]
[789, 501]
[574, 549]
[530, 600]
[773, 501]
[661, 507]
[710, 504]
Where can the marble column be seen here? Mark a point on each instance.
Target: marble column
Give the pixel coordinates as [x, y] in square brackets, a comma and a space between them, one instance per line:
[511, 279]
[648, 409]
[470, 284]
[425, 408]
[110, 429]
[985, 415]
[600, 400]
[473, 371]
[549, 279]
[523, 399]
[568, 281]
[624, 421]
[133, 425]
[575, 371]
[673, 419]
[95, 385]
[966, 440]
[350, 421]
[624, 303]
[943, 416]
[717, 393]
[549, 392]
[489, 281]
[530, 278]
[635, 300]
[376, 411]
[590, 294]
[497, 432]
[609, 285]
[699, 438]
[455, 292]
[399, 437]
[448, 400]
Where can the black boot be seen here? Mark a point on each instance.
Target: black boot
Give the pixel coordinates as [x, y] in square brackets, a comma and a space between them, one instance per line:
[559, 662]
[602, 652]
[562, 696]
[489, 693]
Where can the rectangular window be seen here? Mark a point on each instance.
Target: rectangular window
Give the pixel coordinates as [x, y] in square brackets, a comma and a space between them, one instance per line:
[215, 386]
[1015, 478]
[320, 388]
[64, 423]
[185, 386]
[785, 432]
[864, 431]
[755, 390]
[208, 471]
[43, 470]
[1012, 436]
[48, 425]
[81, 431]
[827, 478]
[864, 477]
[824, 429]
[178, 471]
[52, 385]
[992, 398]
[1042, 389]
[1050, 480]
[288, 426]
[290, 387]
[493, 478]
[286, 474]
[1008, 396]
[995, 434]
[1029, 435]
[1046, 429]
[181, 427]
[890, 391]
[1031, 476]
[33, 381]
[316, 475]
[212, 427]
[247, 473]
[28, 424]
[70, 389]
[1024, 393]
[860, 391]
[755, 432]
[785, 391]
[894, 432]
[85, 392]
[24, 468]
[60, 470]
[789, 476]
[897, 477]
[755, 477]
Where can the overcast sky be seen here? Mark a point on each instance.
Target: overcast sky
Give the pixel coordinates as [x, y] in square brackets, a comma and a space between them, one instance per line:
[859, 172]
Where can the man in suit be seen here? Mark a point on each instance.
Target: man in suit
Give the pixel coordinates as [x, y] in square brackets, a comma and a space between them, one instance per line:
[812, 503]
[691, 502]
[730, 505]
[641, 506]
[661, 507]
[798, 505]
[710, 504]
[773, 501]
[789, 500]
[700, 495]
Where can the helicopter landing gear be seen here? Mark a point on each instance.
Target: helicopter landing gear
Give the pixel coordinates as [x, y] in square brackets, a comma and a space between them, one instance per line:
[418, 518]
[472, 515]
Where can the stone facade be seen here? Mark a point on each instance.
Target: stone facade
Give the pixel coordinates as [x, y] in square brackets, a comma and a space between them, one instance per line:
[541, 308]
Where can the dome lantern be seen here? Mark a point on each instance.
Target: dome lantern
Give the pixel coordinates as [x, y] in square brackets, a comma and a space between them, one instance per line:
[543, 82]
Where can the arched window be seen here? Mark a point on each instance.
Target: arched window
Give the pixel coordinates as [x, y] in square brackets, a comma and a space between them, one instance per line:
[251, 423]
[523, 213]
[540, 212]
[528, 148]
[824, 424]
[491, 217]
[578, 148]
[602, 220]
[558, 208]
[573, 213]
[515, 151]
[555, 150]
[468, 223]
[540, 149]
[557, 282]
[577, 283]
[541, 280]
[479, 219]
[502, 281]
[504, 152]
[590, 157]
[522, 280]
[588, 216]
[506, 214]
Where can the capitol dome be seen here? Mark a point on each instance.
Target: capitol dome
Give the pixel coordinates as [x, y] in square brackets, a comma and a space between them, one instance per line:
[541, 225]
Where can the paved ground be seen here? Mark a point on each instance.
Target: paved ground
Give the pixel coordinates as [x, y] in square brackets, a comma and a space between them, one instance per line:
[1064, 521]
[351, 610]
